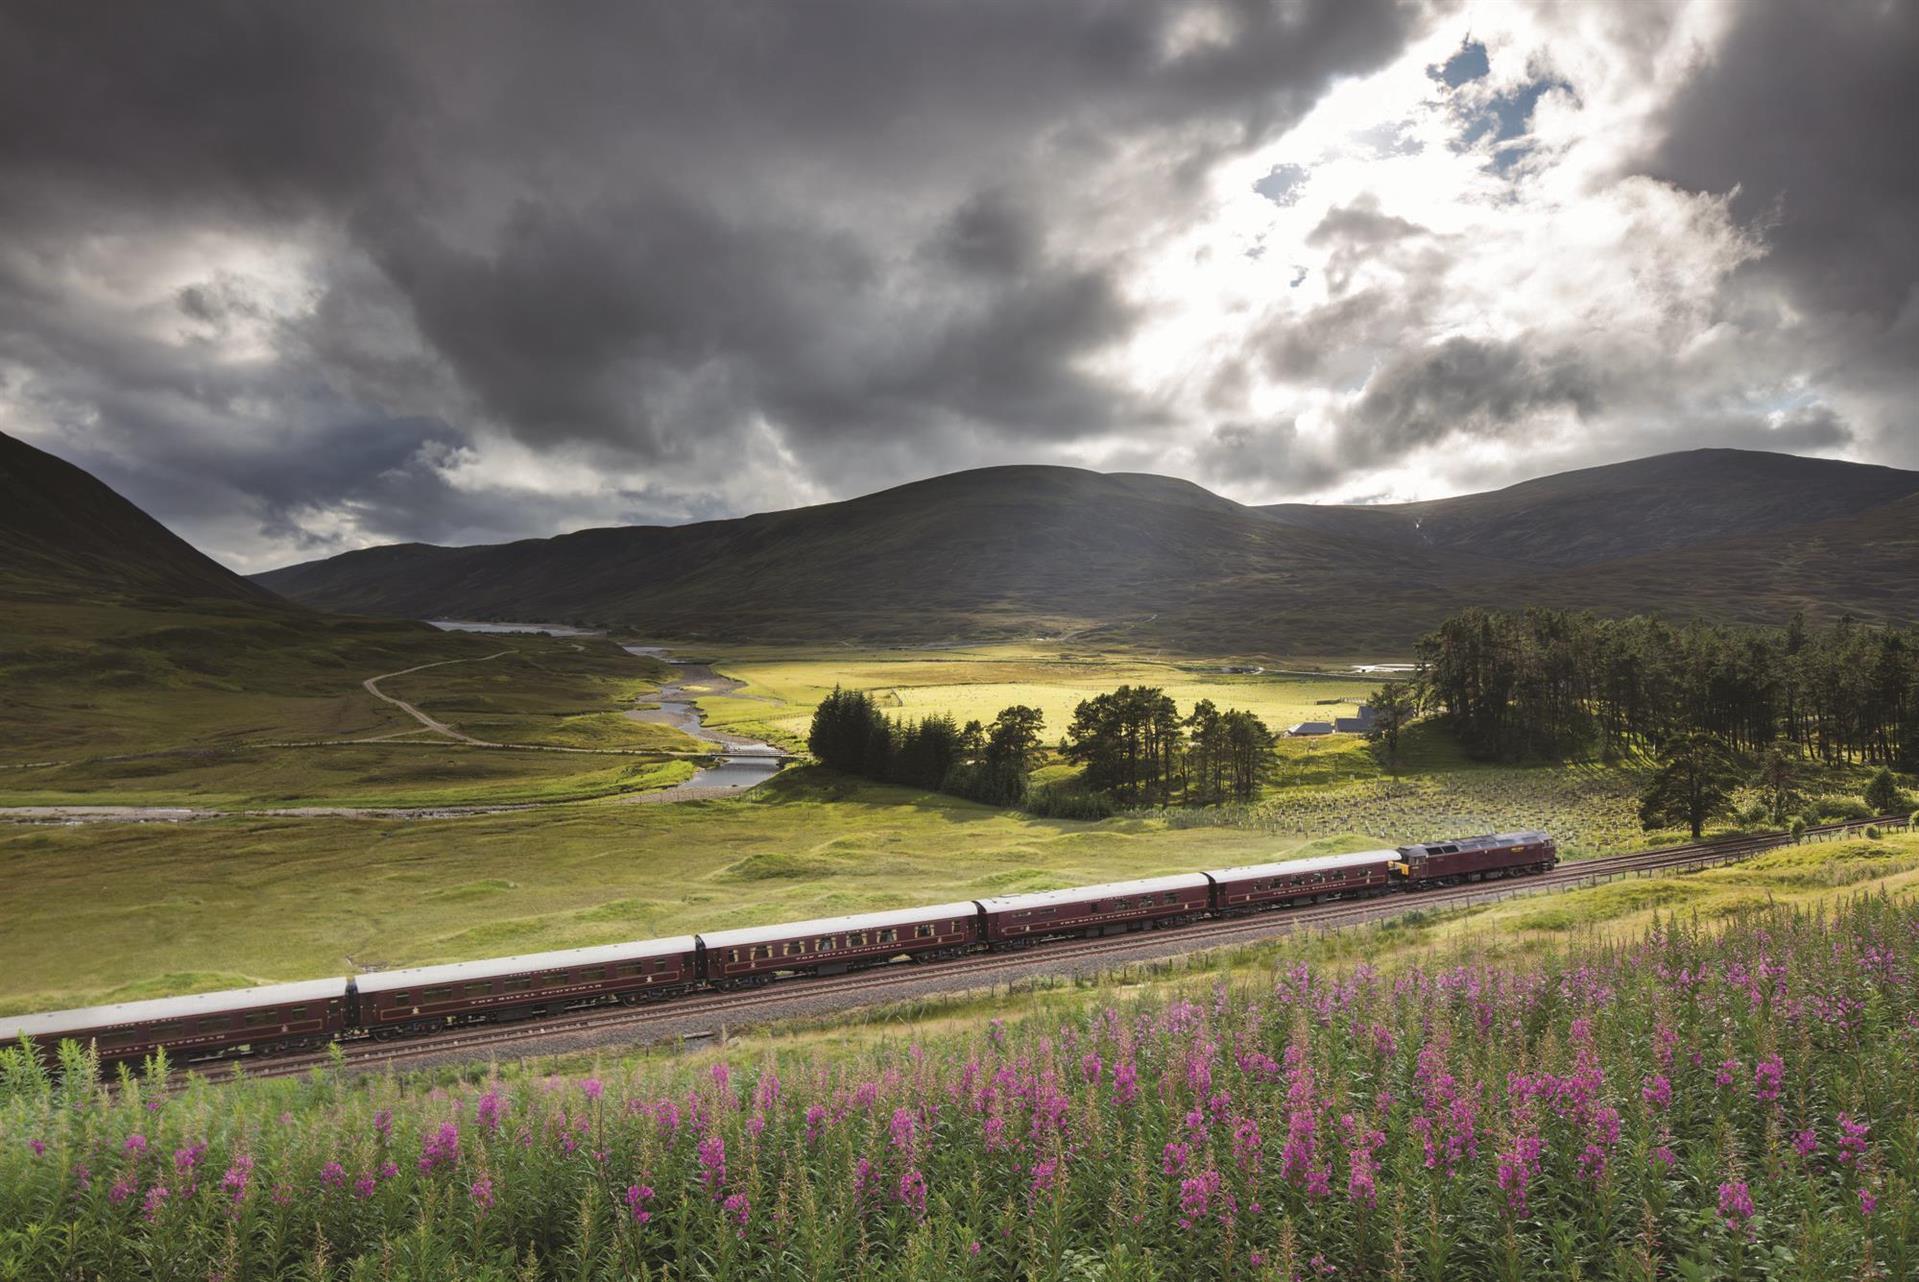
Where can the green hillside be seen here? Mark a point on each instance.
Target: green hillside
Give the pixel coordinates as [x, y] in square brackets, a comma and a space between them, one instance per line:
[116, 636]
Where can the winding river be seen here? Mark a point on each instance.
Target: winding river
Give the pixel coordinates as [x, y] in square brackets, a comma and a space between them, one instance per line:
[743, 762]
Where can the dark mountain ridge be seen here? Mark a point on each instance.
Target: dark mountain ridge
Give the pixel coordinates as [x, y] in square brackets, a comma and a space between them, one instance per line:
[1012, 551]
[64, 533]
[1620, 510]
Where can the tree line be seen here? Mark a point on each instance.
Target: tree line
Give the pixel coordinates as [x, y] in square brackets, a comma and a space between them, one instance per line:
[1133, 746]
[1545, 683]
[988, 763]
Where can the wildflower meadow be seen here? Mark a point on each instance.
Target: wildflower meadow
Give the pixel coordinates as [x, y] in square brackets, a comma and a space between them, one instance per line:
[1733, 1101]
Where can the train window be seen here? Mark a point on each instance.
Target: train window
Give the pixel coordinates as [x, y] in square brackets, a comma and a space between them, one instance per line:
[518, 984]
[479, 990]
[630, 968]
[436, 994]
[825, 945]
[296, 1012]
[1093, 907]
[889, 936]
[1169, 898]
[792, 948]
[217, 1024]
[923, 932]
[260, 1018]
[401, 999]
[856, 940]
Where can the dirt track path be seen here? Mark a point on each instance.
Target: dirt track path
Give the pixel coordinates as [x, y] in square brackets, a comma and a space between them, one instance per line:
[372, 685]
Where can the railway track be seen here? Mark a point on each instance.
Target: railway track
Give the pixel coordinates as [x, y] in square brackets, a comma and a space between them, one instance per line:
[985, 969]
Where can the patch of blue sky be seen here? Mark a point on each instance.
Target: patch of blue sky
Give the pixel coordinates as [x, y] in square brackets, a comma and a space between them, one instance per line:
[1283, 186]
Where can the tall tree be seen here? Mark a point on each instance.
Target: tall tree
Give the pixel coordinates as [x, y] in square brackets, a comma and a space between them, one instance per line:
[1394, 706]
[1693, 785]
[1249, 743]
[1780, 767]
[1883, 793]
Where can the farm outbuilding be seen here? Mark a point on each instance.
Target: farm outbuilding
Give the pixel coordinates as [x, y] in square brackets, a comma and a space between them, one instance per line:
[1305, 728]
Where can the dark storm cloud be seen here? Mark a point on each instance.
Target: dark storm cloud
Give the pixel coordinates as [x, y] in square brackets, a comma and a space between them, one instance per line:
[1806, 112]
[640, 230]
[1463, 387]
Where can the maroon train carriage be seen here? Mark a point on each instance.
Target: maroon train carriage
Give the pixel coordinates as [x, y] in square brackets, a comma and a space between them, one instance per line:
[269, 1019]
[1014, 921]
[1255, 886]
[1504, 854]
[831, 945]
[394, 1002]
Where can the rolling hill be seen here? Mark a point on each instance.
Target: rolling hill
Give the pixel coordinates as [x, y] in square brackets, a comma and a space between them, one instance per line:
[64, 535]
[1622, 510]
[117, 636]
[1013, 551]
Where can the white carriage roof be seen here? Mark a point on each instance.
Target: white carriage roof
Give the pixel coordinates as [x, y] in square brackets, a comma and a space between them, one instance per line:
[54, 1022]
[1073, 894]
[386, 981]
[834, 925]
[1313, 863]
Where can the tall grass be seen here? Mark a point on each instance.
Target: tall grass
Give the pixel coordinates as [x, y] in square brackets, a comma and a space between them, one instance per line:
[1692, 1104]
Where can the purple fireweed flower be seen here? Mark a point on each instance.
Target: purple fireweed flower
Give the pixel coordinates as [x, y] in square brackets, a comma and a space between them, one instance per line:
[363, 1187]
[238, 1177]
[666, 1117]
[1173, 1158]
[1767, 1076]
[637, 1196]
[442, 1148]
[912, 1193]
[1125, 1083]
[1805, 1142]
[739, 1210]
[722, 1076]
[712, 1158]
[766, 1092]
[155, 1200]
[1044, 1175]
[186, 1159]
[592, 1088]
[481, 1191]
[1735, 1204]
[135, 1143]
[1852, 1139]
[1867, 1203]
[1657, 1091]
[1246, 1144]
[815, 1123]
[1090, 1067]
[333, 1176]
[388, 1170]
[1517, 1170]
[1664, 1156]
[39, 1147]
[383, 1122]
[1728, 1072]
[903, 1128]
[491, 1107]
[122, 1189]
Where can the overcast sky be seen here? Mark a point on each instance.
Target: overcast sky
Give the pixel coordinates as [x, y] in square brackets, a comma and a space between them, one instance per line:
[299, 278]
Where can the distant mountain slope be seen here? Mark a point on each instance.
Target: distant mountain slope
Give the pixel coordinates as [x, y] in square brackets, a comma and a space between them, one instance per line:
[993, 551]
[1866, 564]
[1024, 550]
[1623, 510]
[65, 534]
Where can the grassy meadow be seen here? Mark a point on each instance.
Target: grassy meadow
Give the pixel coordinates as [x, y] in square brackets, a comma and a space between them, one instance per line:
[99, 911]
[975, 682]
[1719, 1093]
